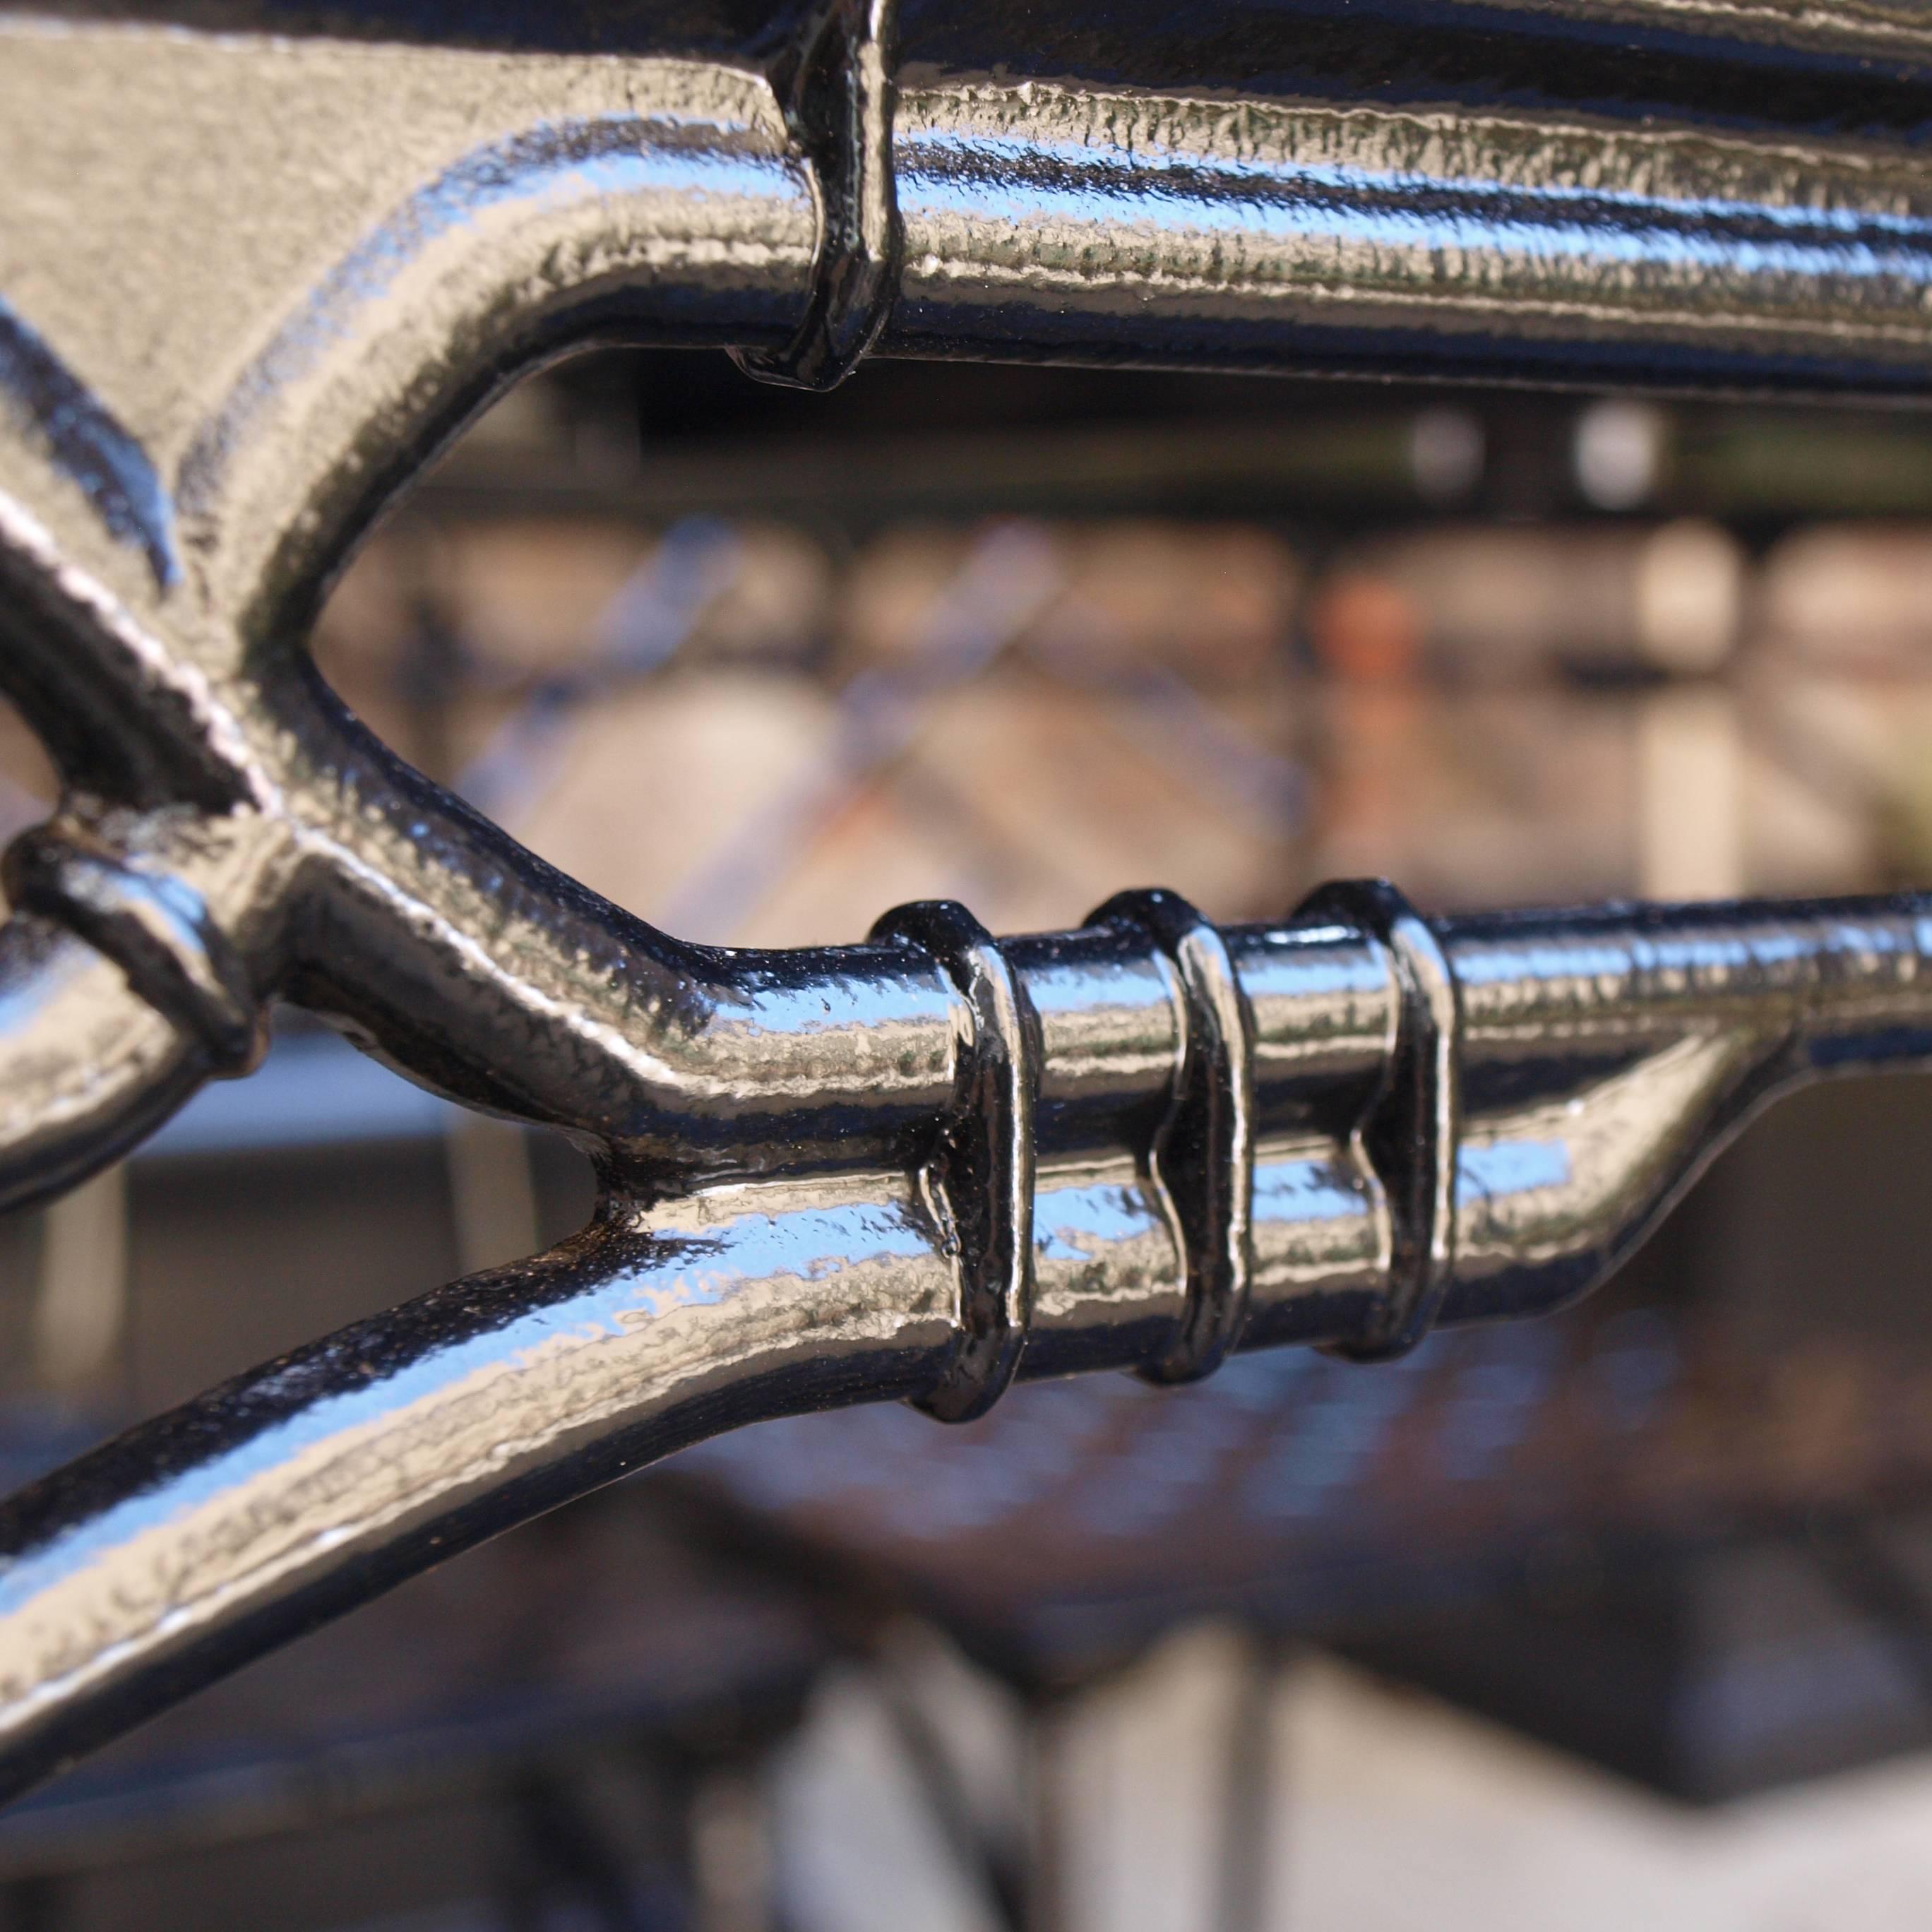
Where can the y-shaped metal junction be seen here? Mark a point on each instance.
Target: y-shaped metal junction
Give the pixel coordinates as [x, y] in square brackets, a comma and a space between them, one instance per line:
[247, 282]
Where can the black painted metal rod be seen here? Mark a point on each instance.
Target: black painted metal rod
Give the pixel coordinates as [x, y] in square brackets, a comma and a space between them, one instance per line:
[1601, 1056]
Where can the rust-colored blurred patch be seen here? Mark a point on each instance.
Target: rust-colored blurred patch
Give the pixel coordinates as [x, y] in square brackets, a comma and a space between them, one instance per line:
[1365, 630]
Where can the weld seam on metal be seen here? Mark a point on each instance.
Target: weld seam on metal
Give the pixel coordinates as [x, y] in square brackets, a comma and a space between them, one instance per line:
[1412, 1131]
[982, 1164]
[839, 99]
[1200, 1156]
[158, 930]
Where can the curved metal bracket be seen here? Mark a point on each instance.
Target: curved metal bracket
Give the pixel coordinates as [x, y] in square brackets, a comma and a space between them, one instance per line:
[1201, 1154]
[1412, 1133]
[981, 1171]
[838, 90]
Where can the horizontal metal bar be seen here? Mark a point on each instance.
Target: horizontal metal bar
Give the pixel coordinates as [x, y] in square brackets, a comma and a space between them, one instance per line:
[1757, 215]
[1765, 62]
[1076, 224]
[1618, 1046]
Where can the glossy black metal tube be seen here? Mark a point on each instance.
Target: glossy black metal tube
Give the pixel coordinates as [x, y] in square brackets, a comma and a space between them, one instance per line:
[179, 1551]
[1839, 976]
[692, 1061]
[201, 1539]
[1630, 1043]
[1087, 223]
[679, 1063]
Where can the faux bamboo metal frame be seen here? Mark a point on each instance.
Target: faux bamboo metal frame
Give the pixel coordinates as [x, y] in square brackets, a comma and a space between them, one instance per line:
[256, 265]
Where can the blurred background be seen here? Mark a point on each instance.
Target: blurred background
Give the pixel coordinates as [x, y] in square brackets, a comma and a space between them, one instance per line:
[1624, 1617]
